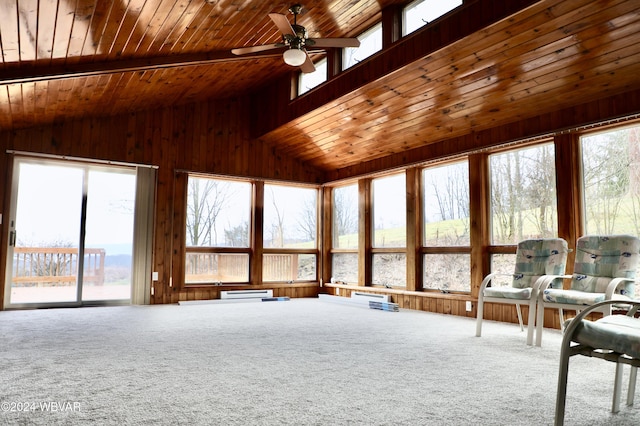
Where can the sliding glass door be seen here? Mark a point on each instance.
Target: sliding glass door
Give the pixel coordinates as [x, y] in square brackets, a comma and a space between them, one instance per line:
[71, 234]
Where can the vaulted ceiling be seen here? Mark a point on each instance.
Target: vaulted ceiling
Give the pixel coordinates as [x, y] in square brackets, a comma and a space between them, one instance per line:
[75, 58]
[67, 59]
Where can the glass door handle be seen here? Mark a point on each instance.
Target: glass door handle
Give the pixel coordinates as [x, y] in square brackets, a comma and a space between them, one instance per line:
[12, 238]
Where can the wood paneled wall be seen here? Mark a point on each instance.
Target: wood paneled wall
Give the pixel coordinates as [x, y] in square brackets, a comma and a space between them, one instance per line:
[208, 137]
[213, 137]
[451, 304]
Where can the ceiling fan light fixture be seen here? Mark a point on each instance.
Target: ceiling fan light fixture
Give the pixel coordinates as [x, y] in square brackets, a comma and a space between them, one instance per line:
[294, 57]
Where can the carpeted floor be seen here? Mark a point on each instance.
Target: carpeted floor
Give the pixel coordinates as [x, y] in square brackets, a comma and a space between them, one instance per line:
[300, 362]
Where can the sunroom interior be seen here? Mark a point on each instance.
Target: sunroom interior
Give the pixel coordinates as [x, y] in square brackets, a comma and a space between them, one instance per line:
[410, 167]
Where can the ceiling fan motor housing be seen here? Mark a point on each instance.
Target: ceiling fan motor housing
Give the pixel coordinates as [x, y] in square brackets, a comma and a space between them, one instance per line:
[299, 40]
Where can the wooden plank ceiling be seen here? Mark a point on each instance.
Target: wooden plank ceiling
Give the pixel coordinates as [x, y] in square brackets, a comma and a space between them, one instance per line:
[553, 55]
[67, 59]
[43, 41]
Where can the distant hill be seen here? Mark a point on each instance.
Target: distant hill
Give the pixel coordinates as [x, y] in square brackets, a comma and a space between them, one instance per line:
[118, 260]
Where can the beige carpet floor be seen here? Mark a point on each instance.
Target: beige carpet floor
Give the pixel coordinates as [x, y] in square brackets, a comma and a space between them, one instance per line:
[298, 362]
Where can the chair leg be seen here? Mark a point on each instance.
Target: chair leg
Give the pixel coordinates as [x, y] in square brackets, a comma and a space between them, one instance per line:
[615, 405]
[632, 385]
[519, 312]
[531, 321]
[561, 394]
[561, 317]
[479, 316]
[539, 322]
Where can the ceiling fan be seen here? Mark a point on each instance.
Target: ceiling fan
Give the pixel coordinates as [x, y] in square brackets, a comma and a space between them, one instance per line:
[294, 39]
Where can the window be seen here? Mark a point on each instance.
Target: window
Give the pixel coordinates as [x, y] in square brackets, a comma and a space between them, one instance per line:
[344, 254]
[307, 81]
[523, 194]
[504, 264]
[611, 181]
[290, 233]
[447, 272]
[217, 231]
[370, 43]
[445, 206]
[389, 211]
[419, 13]
[389, 230]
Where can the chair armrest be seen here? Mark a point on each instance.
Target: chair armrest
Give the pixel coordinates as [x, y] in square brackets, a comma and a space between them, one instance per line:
[486, 282]
[545, 281]
[613, 285]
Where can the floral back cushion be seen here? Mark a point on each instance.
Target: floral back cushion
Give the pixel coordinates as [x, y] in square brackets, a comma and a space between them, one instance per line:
[599, 259]
[535, 258]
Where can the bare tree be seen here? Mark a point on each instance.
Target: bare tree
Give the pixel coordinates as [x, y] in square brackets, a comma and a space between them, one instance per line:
[345, 211]
[505, 185]
[451, 190]
[277, 226]
[308, 219]
[206, 199]
[539, 190]
[237, 236]
[606, 180]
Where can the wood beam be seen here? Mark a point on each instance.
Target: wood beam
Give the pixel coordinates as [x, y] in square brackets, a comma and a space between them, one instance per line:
[56, 70]
[326, 233]
[257, 233]
[391, 24]
[569, 191]
[364, 232]
[479, 211]
[414, 229]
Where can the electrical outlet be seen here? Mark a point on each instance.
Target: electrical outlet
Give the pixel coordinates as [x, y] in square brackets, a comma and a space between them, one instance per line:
[469, 307]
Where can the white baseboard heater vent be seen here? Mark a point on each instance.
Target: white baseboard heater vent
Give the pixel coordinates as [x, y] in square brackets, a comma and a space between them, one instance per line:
[246, 294]
[359, 296]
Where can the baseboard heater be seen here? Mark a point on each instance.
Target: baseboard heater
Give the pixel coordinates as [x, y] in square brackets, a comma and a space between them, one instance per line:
[246, 294]
[238, 296]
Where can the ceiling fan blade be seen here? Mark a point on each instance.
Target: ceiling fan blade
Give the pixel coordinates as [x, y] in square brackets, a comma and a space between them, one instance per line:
[282, 23]
[307, 66]
[333, 42]
[254, 49]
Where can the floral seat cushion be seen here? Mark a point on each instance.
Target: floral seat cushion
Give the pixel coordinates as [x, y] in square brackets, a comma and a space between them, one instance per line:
[618, 333]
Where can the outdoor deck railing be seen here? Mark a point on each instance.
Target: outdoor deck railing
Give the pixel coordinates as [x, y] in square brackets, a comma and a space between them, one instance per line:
[55, 266]
[222, 267]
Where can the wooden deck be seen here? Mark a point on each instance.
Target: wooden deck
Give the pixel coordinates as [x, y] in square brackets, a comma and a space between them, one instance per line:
[55, 266]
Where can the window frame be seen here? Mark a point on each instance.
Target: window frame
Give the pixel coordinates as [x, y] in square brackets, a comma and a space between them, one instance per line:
[218, 249]
[375, 28]
[426, 250]
[493, 248]
[300, 80]
[405, 12]
[395, 250]
[513, 148]
[255, 251]
[583, 206]
[333, 250]
[315, 251]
